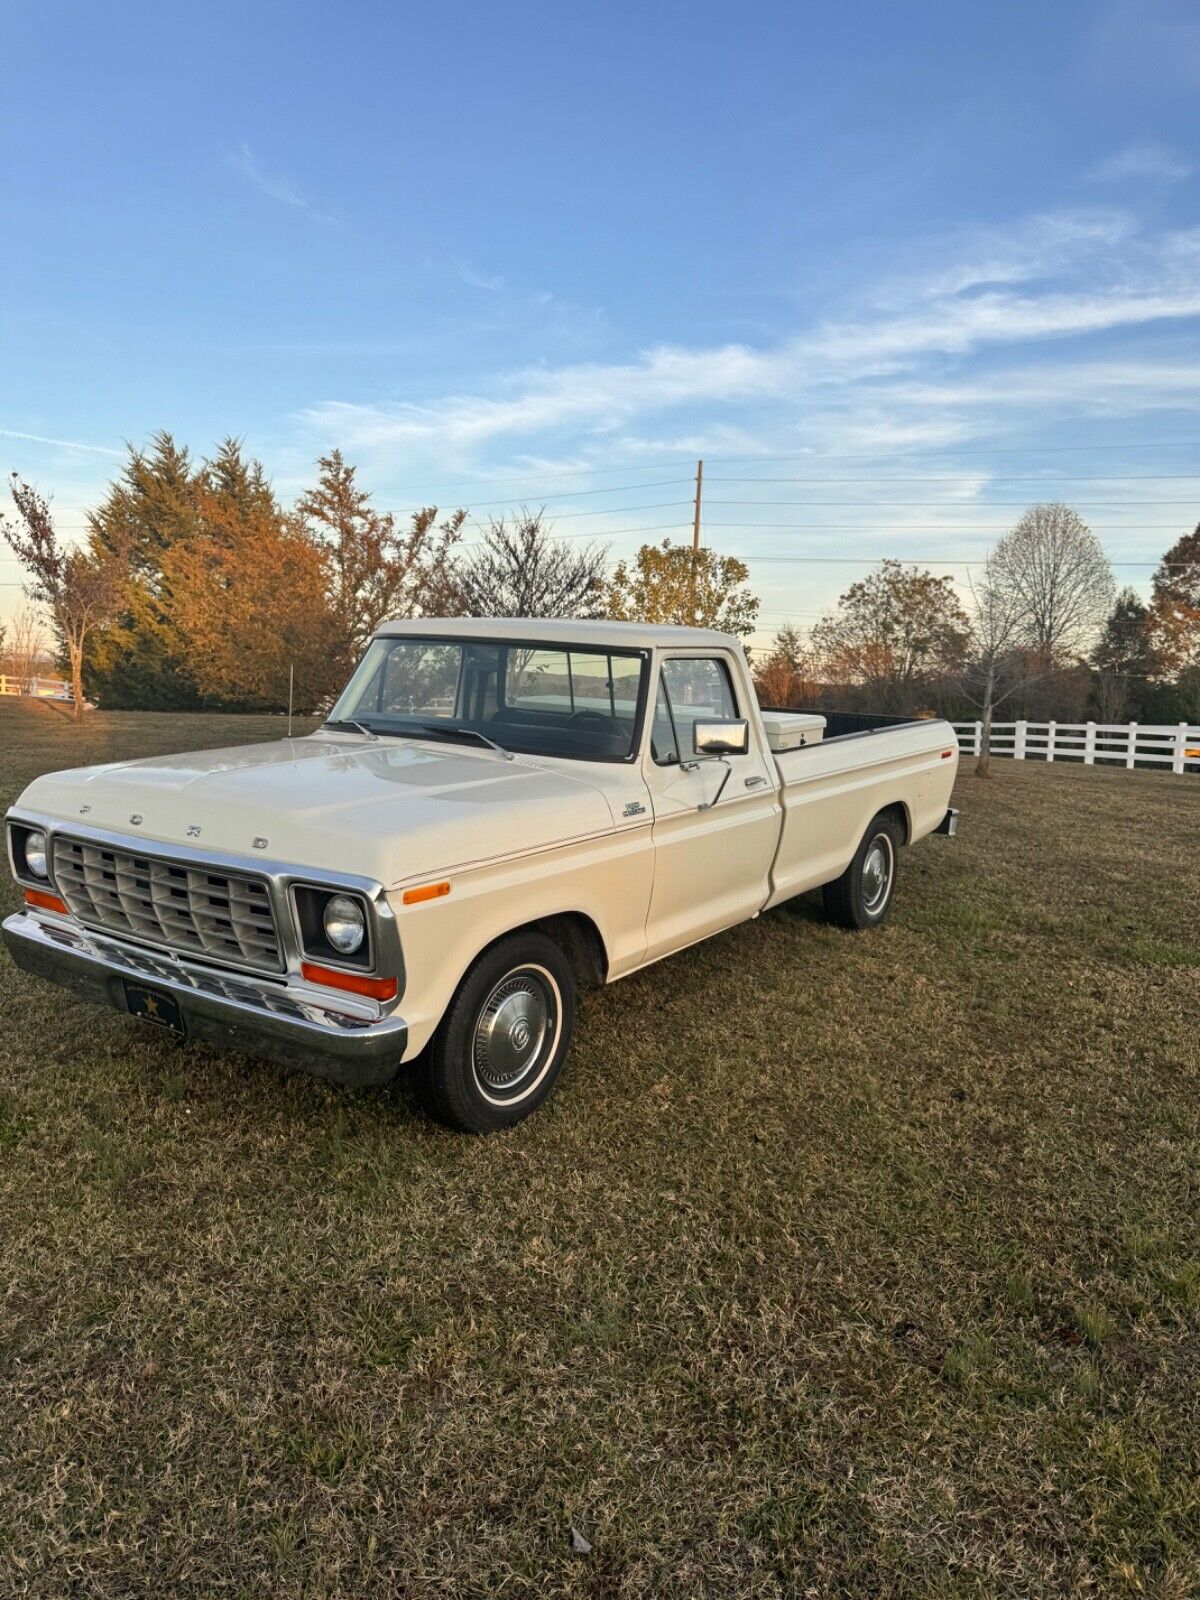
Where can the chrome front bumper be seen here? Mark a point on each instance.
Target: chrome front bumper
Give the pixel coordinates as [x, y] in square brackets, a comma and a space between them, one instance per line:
[228, 1011]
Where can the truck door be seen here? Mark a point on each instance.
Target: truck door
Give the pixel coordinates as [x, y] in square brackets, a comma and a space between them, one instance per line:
[711, 865]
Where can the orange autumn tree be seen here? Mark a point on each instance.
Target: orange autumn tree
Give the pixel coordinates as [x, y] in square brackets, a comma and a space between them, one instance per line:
[1175, 606]
[896, 635]
[377, 567]
[786, 676]
[250, 594]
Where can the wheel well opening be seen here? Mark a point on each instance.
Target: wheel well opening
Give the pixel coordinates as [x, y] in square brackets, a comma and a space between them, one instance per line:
[899, 815]
[580, 939]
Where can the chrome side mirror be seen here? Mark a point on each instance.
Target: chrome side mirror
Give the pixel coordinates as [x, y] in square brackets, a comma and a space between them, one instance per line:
[726, 738]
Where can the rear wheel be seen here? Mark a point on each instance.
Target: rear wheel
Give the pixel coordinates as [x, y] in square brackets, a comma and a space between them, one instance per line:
[861, 896]
[500, 1047]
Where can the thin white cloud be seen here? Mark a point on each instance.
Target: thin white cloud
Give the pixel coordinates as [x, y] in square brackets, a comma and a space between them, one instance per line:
[1143, 163]
[61, 444]
[1155, 281]
[246, 164]
[475, 278]
[1035, 247]
[1004, 335]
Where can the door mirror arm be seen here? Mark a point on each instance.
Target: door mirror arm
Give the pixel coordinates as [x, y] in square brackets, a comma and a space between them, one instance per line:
[707, 805]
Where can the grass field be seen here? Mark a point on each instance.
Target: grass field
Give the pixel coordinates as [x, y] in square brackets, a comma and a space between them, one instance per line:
[838, 1265]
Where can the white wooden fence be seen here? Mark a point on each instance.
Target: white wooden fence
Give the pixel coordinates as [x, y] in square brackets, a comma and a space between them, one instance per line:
[39, 688]
[1130, 744]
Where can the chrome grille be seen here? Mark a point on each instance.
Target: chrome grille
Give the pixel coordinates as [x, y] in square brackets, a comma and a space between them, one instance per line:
[191, 908]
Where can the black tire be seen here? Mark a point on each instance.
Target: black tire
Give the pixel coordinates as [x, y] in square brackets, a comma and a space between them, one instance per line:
[859, 899]
[499, 1049]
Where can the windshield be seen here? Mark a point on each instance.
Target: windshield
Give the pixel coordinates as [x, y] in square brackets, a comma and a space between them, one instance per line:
[548, 700]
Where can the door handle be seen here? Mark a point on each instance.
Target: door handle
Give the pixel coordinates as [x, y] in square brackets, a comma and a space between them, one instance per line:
[754, 782]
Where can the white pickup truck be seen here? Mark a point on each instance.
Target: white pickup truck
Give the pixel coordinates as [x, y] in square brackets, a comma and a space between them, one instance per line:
[496, 814]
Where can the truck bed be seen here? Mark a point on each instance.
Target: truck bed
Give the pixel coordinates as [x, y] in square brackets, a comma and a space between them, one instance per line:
[830, 791]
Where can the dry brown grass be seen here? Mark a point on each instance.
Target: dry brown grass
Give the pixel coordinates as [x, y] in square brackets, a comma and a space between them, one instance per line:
[839, 1265]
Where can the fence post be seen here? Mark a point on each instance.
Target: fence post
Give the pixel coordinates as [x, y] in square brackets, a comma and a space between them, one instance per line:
[1019, 729]
[1050, 727]
[1131, 747]
[1089, 745]
[977, 750]
[1180, 747]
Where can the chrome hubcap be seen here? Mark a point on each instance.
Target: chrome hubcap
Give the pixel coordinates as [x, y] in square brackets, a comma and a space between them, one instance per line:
[515, 1033]
[877, 874]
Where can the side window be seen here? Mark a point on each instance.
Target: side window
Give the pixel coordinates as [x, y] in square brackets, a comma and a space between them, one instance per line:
[698, 689]
[664, 746]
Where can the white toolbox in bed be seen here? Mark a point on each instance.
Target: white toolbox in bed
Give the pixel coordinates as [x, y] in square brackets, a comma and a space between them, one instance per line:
[792, 730]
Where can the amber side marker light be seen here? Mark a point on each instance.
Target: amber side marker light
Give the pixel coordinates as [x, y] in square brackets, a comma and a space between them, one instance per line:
[427, 891]
[330, 978]
[46, 902]
[1192, 755]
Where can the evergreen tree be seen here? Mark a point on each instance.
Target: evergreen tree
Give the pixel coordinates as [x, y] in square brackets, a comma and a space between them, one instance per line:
[1124, 647]
[139, 659]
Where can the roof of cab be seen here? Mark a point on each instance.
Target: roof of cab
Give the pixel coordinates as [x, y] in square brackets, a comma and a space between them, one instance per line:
[567, 631]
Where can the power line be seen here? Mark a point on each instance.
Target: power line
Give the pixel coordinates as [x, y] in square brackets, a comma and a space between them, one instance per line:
[955, 527]
[657, 505]
[956, 477]
[564, 494]
[903, 505]
[931, 561]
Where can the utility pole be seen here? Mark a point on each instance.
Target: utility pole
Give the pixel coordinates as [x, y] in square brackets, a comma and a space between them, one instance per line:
[291, 693]
[696, 533]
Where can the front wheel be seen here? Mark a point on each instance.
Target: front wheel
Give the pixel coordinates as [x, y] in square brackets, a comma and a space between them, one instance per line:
[861, 896]
[501, 1045]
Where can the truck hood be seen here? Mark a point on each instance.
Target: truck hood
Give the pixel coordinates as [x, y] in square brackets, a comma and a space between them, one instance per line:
[392, 810]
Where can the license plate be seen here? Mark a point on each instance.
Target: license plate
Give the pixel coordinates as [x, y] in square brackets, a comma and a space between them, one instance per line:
[153, 1005]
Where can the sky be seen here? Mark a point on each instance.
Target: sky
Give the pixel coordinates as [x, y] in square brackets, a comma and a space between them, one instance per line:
[893, 270]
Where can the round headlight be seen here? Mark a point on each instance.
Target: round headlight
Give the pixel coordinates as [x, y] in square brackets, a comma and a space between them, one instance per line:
[35, 853]
[345, 925]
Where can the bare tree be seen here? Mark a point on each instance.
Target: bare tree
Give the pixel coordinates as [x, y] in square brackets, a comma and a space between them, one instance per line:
[1054, 566]
[26, 646]
[78, 589]
[989, 678]
[522, 570]
[1111, 694]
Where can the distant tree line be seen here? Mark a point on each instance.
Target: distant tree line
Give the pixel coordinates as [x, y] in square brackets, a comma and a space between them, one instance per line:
[1043, 633]
[197, 589]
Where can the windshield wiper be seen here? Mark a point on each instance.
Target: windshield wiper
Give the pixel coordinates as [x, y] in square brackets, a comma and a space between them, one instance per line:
[348, 722]
[437, 730]
[425, 730]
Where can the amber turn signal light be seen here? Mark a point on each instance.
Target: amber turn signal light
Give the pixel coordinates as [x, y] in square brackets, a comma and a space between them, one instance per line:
[352, 982]
[427, 891]
[46, 902]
